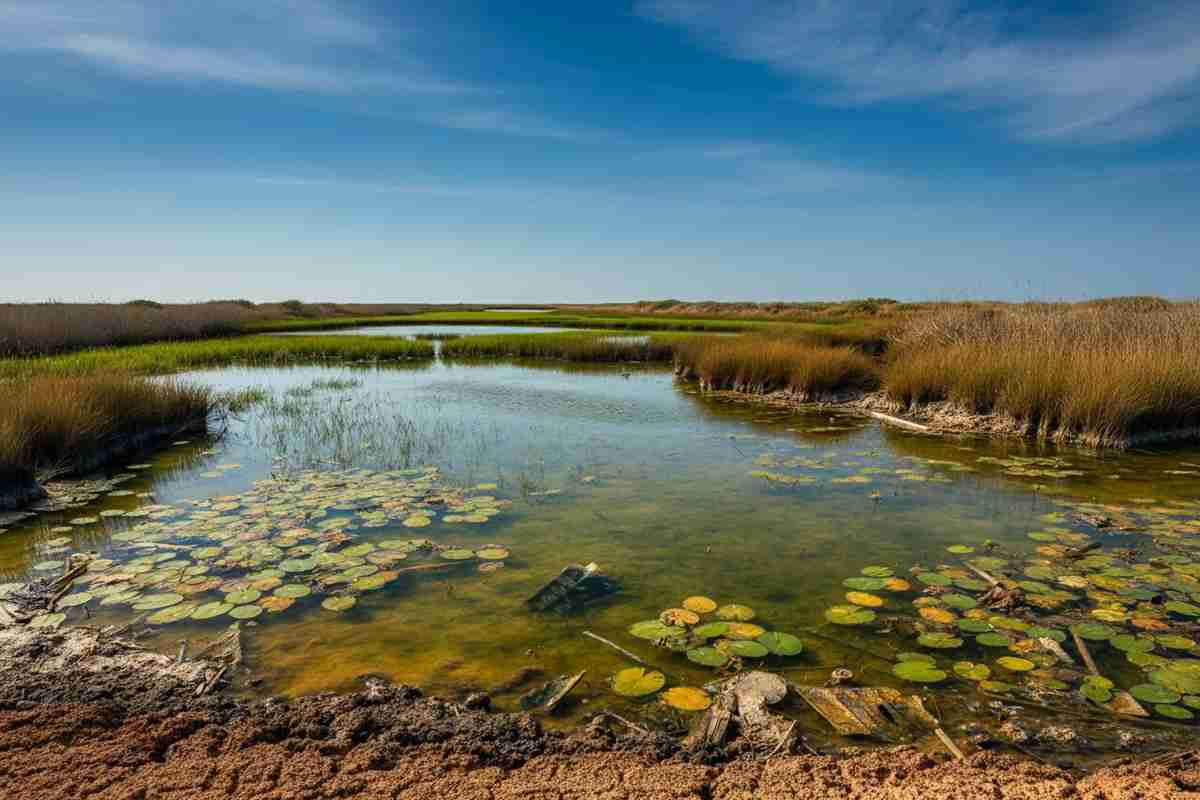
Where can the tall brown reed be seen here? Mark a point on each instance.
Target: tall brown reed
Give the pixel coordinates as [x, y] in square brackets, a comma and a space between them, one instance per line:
[1103, 371]
[762, 363]
[50, 421]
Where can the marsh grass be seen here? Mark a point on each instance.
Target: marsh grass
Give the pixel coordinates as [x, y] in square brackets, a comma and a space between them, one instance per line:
[576, 347]
[1102, 371]
[764, 363]
[168, 357]
[53, 422]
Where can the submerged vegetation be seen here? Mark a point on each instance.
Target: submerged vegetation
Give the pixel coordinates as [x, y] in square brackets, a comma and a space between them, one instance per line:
[49, 422]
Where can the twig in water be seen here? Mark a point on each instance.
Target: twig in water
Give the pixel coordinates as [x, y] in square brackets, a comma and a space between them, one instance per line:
[616, 647]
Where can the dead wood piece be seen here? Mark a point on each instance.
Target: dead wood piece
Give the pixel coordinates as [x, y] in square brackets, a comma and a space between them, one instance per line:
[208, 685]
[950, 745]
[548, 697]
[1123, 702]
[1056, 649]
[626, 723]
[868, 711]
[573, 588]
[991, 581]
[616, 647]
[898, 422]
[713, 727]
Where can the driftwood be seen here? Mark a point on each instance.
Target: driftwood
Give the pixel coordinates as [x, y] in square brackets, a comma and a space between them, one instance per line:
[898, 422]
[572, 589]
[714, 725]
[549, 696]
[1056, 649]
[991, 581]
[208, 685]
[743, 699]
[1123, 702]
[616, 647]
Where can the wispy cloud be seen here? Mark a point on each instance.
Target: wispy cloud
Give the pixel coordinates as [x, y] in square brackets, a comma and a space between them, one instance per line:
[284, 45]
[1137, 79]
[507, 122]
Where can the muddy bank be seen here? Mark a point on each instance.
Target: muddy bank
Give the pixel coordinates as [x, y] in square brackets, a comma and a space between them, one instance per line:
[85, 714]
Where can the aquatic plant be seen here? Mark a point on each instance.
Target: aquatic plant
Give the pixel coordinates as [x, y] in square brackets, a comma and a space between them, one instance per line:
[1103, 372]
[763, 363]
[582, 347]
[50, 422]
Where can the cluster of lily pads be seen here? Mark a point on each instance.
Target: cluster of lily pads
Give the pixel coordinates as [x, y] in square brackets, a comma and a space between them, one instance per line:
[1117, 600]
[719, 637]
[286, 539]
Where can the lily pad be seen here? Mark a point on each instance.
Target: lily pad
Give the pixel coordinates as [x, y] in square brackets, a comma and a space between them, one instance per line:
[1094, 631]
[1176, 680]
[211, 610]
[1172, 712]
[864, 599]
[864, 584]
[457, 554]
[939, 641]
[246, 612]
[653, 630]
[744, 648]
[77, 599]
[48, 620]
[972, 671]
[1014, 664]
[699, 605]
[744, 630]
[293, 591]
[338, 603]
[637, 682]
[736, 613]
[707, 656]
[1153, 693]
[153, 602]
[918, 672]
[492, 553]
[710, 630]
[782, 644]
[877, 572]
[933, 579]
[686, 698]
[849, 615]
[242, 597]
[993, 640]
[174, 613]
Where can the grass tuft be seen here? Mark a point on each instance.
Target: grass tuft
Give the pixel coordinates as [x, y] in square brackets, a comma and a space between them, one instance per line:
[763, 363]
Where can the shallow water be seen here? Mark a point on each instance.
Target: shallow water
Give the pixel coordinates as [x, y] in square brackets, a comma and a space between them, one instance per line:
[672, 493]
[428, 329]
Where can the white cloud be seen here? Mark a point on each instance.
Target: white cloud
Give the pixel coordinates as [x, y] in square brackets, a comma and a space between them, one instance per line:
[287, 45]
[506, 122]
[1138, 79]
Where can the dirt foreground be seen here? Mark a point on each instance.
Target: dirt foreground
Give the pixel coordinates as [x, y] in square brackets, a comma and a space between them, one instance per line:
[82, 715]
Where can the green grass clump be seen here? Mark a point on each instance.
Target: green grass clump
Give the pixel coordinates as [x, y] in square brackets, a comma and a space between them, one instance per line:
[763, 363]
[578, 347]
[168, 357]
[50, 422]
[1103, 371]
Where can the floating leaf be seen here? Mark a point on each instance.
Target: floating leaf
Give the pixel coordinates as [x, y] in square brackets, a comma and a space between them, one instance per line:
[864, 584]
[243, 597]
[711, 630]
[877, 572]
[1014, 664]
[708, 656]
[782, 644]
[939, 615]
[1093, 631]
[933, 579]
[997, 687]
[246, 612]
[77, 599]
[744, 648]
[171, 614]
[849, 615]
[685, 698]
[679, 617]
[654, 629]
[699, 605]
[153, 602]
[744, 630]
[1182, 608]
[492, 553]
[293, 591]
[940, 641]
[960, 549]
[297, 564]
[972, 671]
[1176, 680]
[1172, 712]
[969, 625]
[897, 585]
[1153, 693]
[736, 613]
[918, 672]
[457, 554]
[48, 620]
[864, 599]
[907, 656]
[959, 601]
[993, 640]
[637, 682]
[210, 610]
[338, 603]
[1095, 693]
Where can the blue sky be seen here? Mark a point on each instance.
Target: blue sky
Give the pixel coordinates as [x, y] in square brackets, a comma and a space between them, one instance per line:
[536, 151]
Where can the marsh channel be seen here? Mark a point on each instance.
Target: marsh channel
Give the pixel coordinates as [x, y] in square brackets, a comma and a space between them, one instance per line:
[302, 517]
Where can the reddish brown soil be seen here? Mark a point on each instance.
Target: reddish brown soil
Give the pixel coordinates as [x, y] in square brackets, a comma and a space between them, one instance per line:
[389, 743]
[84, 715]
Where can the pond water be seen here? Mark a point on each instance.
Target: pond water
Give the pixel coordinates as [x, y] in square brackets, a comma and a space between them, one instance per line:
[325, 487]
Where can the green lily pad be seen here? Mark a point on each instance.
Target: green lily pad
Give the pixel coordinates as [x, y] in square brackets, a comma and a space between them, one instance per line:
[211, 610]
[338, 603]
[293, 591]
[246, 612]
[744, 648]
[242, 597]
[708, 656]
[960, 549]
[1182, 608]
[1176, 681]
[1097, 694]
[77, 599]
[875, 572]
[653, 630]
[1131, 644]
[1153, 693]
[849, 615]
[457, 554]
[735, 613]
[1094, 631]
[48, 620]
[1173, 712]
[153, 602]
[297, 564]
[918, 672]
[1014, 664]
[934, 579]
[637, 682]
[972, 671]
[968, 625]
[909, 656]
[782, 644]
[170, 614]
[1175, 642]
[959, 601]
[993, 640]
[711, 630]
[940, 641]
[492, 553]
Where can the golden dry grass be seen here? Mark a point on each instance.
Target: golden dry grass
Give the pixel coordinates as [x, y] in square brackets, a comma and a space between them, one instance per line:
[1103, 371]
[762, 363]
[52, 421]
